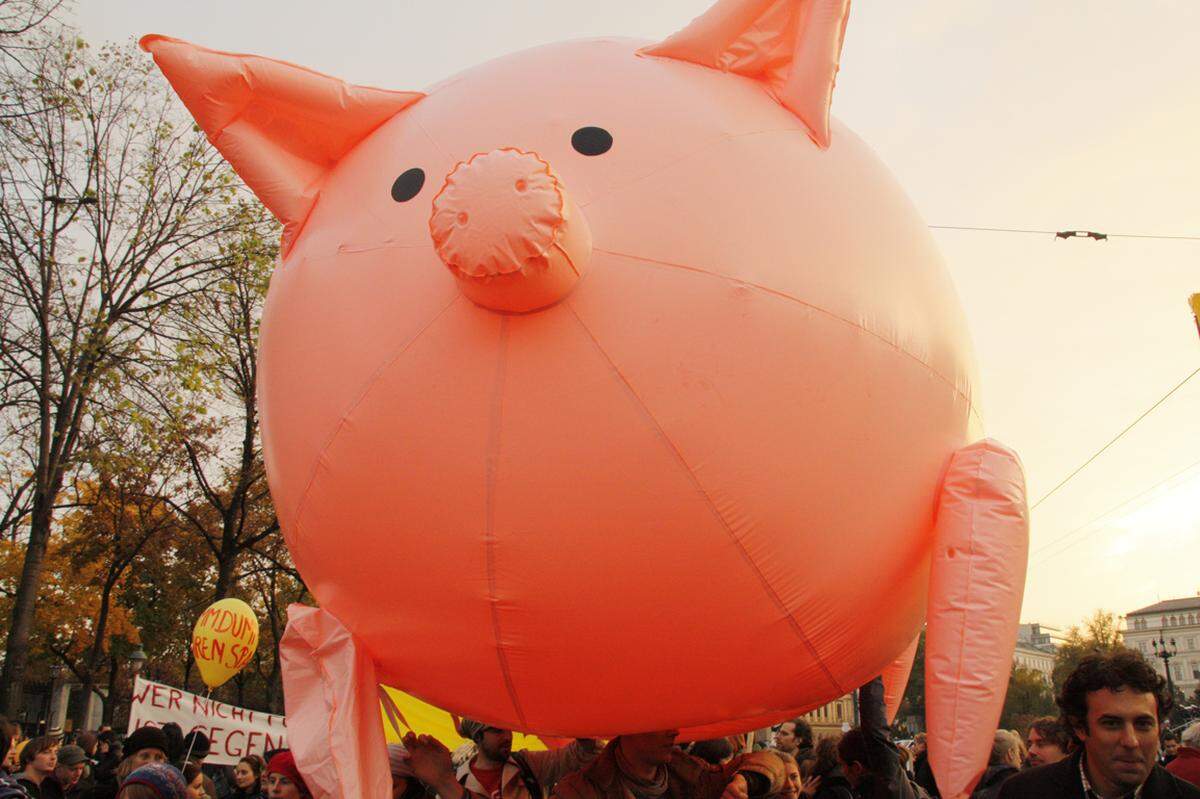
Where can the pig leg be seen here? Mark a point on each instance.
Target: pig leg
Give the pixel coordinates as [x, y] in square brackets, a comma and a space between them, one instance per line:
[977, 579]
[895, 679]
[332, 697]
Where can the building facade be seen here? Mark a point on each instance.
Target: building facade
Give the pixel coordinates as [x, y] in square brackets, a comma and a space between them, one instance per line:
[1036, 648]
[832, 719]
[1034, 658]
[1172, 619]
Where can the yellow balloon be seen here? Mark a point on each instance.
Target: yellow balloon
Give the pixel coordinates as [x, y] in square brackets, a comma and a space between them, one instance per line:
[224, 639]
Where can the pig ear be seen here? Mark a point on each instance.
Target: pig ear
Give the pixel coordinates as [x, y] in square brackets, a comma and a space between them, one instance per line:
[281, 126]
[791, 46]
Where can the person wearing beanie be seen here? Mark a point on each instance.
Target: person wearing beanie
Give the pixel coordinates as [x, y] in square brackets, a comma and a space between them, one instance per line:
[72, 765]
[154, 781]
[284, 778]
[144, 746]
[196, 747]
[174, 737]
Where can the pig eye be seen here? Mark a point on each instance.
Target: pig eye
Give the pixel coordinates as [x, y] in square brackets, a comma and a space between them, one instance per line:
[591, 141]
[408, 185]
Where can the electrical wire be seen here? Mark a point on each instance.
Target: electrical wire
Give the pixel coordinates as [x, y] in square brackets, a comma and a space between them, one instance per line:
[1116, 438]
[1104, 515]
[975, 228]
[1056, 232]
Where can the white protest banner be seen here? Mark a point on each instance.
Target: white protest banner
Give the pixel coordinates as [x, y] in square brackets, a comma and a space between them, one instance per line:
[234, 732]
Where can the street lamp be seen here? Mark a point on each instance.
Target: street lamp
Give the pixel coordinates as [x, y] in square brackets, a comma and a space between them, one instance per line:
[52, 700]
[137, 661]
[1166, 649]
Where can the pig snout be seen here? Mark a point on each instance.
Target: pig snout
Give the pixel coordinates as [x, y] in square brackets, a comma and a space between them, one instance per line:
[509, 232]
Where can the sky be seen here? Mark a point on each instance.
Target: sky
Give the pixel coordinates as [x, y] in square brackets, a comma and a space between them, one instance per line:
[1077, 114]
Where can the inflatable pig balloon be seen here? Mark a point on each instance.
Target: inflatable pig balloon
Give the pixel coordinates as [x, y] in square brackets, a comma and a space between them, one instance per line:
[609, 387]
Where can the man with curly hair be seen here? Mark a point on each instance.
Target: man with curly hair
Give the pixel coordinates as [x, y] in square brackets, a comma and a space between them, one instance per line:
[1113, 703]
[1048, 742]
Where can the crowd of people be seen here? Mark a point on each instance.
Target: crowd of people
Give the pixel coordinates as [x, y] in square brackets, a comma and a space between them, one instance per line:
[1110, 741]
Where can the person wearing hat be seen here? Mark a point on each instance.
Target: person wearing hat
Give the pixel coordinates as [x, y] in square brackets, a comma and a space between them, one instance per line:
[72, 765]
[497, 772]
[143, 746]
[284, 778]
[154, 781]
[196, 748]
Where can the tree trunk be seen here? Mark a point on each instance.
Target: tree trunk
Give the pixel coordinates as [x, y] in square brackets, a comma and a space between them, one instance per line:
[276, 687]
[110, 702]
[92, 663]
[225, 570]
[187, 669]
[16, 651]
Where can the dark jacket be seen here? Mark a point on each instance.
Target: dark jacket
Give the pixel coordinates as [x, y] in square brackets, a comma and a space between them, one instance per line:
[992, 779]
[49, 789]
[1061, 781]
[106, 786]
[923, 775]
[834, 785]
[887, 779]
[238, 793]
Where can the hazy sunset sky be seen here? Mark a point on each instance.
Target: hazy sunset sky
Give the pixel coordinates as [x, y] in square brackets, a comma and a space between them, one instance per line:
[1024, 114]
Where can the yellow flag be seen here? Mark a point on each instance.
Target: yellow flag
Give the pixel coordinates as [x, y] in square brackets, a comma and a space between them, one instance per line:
[403, 713]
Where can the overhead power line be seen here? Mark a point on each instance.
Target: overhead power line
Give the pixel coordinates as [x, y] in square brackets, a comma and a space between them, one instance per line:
[1063, 538]
[1116, 438]
[1058, 234]
[1066, 234]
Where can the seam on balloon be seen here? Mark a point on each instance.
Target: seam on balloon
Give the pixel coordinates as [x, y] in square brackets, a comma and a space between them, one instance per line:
[495, 417]
[437, 144]
[387, 245]
[783, 295]
[670, 444]
[368, 384]
[690, 154]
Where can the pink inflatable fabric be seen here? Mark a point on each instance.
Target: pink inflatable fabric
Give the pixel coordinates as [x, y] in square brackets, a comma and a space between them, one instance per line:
[599, 371]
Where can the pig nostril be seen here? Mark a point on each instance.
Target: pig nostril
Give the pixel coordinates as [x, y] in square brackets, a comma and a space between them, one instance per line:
[463, 218]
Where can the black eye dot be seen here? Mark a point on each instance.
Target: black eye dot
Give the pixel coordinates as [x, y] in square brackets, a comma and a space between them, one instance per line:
[591, 141]
[408, 185]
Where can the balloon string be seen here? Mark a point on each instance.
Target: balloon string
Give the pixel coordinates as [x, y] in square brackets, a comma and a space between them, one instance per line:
[188, 756]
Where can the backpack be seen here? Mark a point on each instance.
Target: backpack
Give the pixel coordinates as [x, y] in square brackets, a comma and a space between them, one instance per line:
[527, 776]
